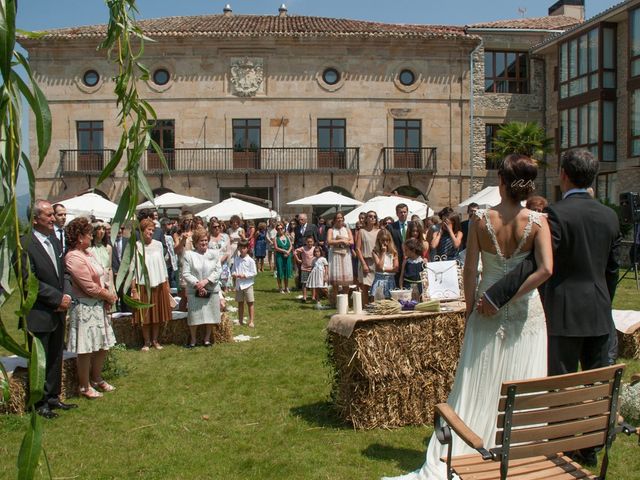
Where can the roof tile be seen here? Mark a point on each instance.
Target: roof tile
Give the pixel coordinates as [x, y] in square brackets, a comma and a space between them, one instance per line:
[552, 22]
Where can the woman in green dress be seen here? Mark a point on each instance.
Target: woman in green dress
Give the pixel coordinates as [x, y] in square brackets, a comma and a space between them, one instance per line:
[103, 252]
[283, 249]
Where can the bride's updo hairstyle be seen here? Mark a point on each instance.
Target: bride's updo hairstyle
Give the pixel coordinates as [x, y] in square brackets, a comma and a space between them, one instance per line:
[518, 172]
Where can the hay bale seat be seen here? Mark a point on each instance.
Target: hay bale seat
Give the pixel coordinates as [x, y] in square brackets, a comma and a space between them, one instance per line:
[627, 324]
[175, 332]
[392, 370]
[19, 382]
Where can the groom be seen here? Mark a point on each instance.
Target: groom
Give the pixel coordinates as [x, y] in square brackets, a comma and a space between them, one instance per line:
[577, 298]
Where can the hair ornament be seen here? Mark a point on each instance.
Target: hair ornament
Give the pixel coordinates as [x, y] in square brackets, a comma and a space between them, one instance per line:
[520, 183]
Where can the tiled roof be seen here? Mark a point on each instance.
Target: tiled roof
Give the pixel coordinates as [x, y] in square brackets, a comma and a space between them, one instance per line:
[552, 22]
[265, 26]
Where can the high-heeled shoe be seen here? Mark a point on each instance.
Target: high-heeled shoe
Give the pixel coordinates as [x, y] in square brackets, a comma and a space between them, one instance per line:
[103, 386]
[90, 393]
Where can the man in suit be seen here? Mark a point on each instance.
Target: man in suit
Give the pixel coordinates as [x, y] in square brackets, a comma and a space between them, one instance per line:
[399, 230]
[60, 214]
[471, 211]
[46, 320]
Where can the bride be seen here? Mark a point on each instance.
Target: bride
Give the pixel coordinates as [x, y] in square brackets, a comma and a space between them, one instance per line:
[511, 345]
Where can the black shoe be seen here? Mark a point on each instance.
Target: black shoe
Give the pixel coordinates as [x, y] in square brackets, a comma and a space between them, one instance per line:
[57, 404]
[189, 346]
[46, 412]
[589, 457]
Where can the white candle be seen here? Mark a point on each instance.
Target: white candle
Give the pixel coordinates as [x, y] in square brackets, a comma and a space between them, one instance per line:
[356, 298]
[342, 303]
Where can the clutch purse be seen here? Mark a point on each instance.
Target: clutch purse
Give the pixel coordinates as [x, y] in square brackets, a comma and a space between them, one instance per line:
[206, 294]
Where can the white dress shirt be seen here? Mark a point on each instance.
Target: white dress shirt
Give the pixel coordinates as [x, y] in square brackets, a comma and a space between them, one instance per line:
[244, 266]
[48, 247]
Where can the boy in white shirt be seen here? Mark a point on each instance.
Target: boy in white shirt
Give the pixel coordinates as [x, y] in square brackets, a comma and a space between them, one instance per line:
[244, 272]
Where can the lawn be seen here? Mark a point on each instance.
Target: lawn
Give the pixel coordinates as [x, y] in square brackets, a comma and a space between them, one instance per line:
[252, 410]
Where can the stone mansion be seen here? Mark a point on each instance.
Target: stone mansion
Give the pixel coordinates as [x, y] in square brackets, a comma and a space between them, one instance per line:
[282, 106]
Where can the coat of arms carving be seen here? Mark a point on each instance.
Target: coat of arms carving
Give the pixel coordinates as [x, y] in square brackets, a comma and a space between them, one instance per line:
[247, 75]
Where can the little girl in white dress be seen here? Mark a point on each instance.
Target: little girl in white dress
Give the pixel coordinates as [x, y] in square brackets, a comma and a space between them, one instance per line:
[318, 276]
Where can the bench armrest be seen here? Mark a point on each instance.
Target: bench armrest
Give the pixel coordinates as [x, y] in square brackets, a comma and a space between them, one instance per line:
[457, 425]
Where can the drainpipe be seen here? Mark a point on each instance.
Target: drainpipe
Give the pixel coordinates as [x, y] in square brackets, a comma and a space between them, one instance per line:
[471, 116]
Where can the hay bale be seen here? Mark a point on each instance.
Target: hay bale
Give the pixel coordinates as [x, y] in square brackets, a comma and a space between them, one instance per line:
[19, 387]
[174, 332]
[391, 373]
[629, 344]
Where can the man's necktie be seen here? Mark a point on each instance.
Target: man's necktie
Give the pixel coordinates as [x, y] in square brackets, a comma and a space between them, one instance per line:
[403, 230]
[61, 237]
[52, 254]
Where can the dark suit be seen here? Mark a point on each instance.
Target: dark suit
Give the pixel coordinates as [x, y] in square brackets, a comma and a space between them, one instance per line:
[310, 231]
[577, 298]
[396, 235]
[43, 321]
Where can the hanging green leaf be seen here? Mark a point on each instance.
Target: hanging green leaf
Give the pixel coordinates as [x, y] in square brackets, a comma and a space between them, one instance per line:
[4, 385]
[7, 36]
[8, 343]
[36, 372]
[30, 448]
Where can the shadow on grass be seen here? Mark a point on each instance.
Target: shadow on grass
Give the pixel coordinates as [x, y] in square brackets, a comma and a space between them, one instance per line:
[406, 459]
[321, 414]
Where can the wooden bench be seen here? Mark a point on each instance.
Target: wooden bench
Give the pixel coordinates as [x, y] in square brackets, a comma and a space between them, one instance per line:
[537, 419]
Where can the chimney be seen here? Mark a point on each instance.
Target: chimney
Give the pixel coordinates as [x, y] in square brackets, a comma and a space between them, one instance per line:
[282, 11]
[568, 8]
[227, 10]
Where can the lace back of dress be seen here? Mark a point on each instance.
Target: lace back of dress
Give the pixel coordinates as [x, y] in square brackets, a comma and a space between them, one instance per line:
[534, 217]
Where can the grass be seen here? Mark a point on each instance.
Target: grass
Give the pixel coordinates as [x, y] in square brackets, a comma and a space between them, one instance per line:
[256, 410]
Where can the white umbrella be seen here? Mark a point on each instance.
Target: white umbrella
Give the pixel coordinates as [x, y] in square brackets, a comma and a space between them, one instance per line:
[234, 206]
[487, 197]
[172, 200]
[385, 206]
[90, 204]
[326, 198]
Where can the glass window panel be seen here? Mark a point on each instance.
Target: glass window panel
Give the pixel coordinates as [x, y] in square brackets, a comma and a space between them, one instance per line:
[523, 64]
[583, 134]
[594, 81]
[564, 91]
[168, 139]
[609, 80]
[563, 62]
[84, 140]
[511, 64]
[593, 122]
[501, 87]
[601, 187]
[635, 147]
[338, 138]
[634, 21]
[500, 65]
[573, 127]
[413, 139]
[413, 123]
[239, 139]
[635, 113]
[324, 137]
[573, 58]
[253, 123]
[608, 152]
[488, 85]
[594, 152]
[581, 85]
[399, 138]
[237, 123]
[583, 51]
[593, 50]
[608, 54]
[573, 87]
[324, 123]
[339, 123]
[635, 67]
[488, 65]
[253, 137]
[608, 121]
[564, 129]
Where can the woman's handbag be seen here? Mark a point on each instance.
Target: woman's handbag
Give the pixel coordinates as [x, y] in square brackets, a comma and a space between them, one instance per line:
[206, 294]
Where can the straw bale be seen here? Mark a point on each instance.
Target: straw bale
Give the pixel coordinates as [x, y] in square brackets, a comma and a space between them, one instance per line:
[391, 373]
[174, 332]
[629, 345]
[19, 387]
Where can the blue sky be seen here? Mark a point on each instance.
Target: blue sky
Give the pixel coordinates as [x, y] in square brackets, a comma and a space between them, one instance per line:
[45, 14]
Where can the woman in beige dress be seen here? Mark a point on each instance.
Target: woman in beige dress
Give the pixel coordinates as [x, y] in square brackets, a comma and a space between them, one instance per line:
[339, 240]
[156, 292]
[90, 332]
[365, 241]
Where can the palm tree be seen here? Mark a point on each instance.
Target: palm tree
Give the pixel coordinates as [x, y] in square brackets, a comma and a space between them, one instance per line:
[526, 138]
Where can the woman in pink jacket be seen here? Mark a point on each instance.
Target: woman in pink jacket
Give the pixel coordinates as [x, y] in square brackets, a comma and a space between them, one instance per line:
[90, 332]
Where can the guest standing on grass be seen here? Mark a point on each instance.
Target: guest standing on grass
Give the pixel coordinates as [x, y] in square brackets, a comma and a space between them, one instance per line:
[260, 245]
[271, 241]
[385, 259]
[201, 271]
[236, 233]
[364, 247]
[319, 276]
[103, 253]
[90, 332]
[156, 292]
[304, 258]
[339, 240]
[244, 274]
[283, 247]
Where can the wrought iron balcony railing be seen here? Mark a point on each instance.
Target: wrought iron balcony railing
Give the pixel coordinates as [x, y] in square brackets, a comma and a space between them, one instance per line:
[84, 162]
[224, 160]
[409, 159]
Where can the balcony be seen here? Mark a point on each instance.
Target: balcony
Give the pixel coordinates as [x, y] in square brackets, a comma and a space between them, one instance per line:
[308, 160]
[402, 160]
[84, 162]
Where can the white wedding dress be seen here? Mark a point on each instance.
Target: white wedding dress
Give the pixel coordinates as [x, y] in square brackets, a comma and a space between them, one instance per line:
[511, 345]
